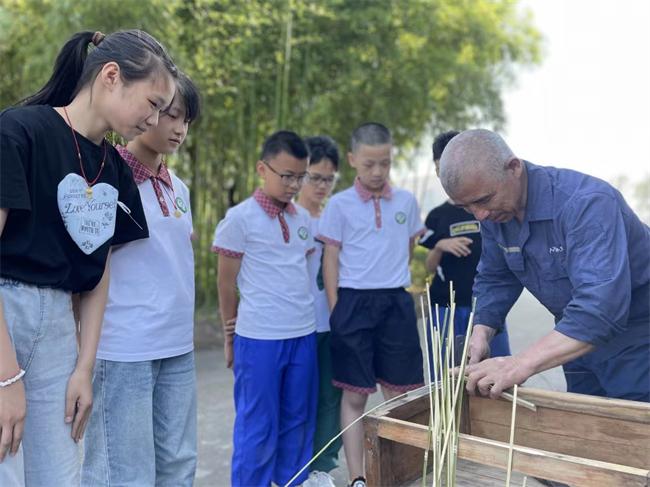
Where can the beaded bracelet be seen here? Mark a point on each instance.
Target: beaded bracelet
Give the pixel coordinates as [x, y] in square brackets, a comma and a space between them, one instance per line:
[16, 378]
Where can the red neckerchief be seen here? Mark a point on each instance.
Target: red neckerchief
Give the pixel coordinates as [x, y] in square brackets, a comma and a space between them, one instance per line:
[365, 195]
[141, 173]
[272, 209]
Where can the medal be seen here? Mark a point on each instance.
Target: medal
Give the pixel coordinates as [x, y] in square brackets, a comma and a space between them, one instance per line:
[89, 189]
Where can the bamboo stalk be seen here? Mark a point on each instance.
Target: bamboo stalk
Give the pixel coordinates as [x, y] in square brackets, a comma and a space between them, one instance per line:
[512, 436]
[507, 395]
[451, 361]
[437, 406]
[428, 369]
[458, 391]
[435, 360]
[520, 402]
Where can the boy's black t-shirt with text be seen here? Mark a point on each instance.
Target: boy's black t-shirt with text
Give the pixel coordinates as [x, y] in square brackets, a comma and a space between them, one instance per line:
[37, 152]
[447, 221]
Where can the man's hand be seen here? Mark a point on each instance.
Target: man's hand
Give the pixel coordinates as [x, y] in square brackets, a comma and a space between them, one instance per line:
[479, 343]
[495, 375]
[79, 402]
[458, 246]
[12, 418]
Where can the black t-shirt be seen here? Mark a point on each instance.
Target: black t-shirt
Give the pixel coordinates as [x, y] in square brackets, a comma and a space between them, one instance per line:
[446, 221]
[37, 152]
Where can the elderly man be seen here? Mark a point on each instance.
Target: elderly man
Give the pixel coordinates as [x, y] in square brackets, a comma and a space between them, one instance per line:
[576, 245]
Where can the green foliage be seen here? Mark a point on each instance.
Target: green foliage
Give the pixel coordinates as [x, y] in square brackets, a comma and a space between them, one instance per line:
[419, 271]
[312, 66]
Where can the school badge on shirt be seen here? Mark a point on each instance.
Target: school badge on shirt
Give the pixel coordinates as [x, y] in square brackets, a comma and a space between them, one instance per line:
[303, 233]
[89, 218]
[180, 204]
[400, 217]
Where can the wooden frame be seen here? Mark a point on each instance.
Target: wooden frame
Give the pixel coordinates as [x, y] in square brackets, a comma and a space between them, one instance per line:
[572, 438]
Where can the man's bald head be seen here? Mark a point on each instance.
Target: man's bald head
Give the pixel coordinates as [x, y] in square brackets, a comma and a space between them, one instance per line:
[473, 152]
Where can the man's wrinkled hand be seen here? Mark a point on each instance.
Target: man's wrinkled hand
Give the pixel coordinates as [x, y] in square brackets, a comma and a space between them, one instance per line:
[479, 344]
[493, 376]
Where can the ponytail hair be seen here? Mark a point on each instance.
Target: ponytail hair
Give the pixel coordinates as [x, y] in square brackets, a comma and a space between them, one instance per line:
[138, 55]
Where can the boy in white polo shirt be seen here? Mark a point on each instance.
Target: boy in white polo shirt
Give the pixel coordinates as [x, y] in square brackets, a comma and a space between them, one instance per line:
[369, 231]
[142, 430]
[263, 244]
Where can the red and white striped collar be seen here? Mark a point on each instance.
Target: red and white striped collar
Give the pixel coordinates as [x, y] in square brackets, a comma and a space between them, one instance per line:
[141, 172]
[365, 195]
[269, 205]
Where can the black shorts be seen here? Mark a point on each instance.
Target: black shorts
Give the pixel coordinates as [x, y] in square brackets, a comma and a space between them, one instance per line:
[375, 339]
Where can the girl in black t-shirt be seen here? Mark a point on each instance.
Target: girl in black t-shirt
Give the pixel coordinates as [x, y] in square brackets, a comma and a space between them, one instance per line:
[66, 196]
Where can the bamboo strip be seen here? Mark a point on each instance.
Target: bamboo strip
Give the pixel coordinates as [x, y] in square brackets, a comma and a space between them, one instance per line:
[512, 436]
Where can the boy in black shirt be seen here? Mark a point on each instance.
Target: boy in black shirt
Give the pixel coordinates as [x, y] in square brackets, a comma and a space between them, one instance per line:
[454, 241]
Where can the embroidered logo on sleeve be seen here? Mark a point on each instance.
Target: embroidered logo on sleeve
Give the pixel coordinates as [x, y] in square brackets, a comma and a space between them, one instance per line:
[90, 221]
[400, 217]
[303, 233]
[464, 228]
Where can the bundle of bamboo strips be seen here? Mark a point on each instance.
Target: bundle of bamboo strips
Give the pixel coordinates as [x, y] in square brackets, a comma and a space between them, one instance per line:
[446, 385]
[446, 388]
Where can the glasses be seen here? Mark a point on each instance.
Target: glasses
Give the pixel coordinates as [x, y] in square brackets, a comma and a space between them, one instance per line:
[317, 180]
[288, 179]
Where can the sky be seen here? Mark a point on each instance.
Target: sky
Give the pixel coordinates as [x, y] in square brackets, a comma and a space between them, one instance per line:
[587, 105]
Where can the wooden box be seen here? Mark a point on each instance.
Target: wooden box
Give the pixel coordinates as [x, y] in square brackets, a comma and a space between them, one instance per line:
[572, 438]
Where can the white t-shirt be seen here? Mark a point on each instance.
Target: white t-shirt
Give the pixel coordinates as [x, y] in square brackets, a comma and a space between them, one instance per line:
[275, 301]
[373, 234]
[315, 265]
[150, 309]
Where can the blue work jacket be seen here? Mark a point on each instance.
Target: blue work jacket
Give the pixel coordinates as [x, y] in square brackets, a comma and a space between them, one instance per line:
[580, 250]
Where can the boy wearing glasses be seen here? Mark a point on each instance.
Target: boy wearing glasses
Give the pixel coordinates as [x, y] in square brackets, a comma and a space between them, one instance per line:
[321, 178]
[369, 232]
[262, 245]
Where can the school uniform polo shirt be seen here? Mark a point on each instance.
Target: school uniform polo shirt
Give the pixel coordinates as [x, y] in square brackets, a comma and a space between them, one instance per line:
[373, 233]
[275, 294]
[581, 251]
[150, 309]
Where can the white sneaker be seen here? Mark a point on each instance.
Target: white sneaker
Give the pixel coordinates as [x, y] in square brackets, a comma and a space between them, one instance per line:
[319, 479]
[358, 482]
